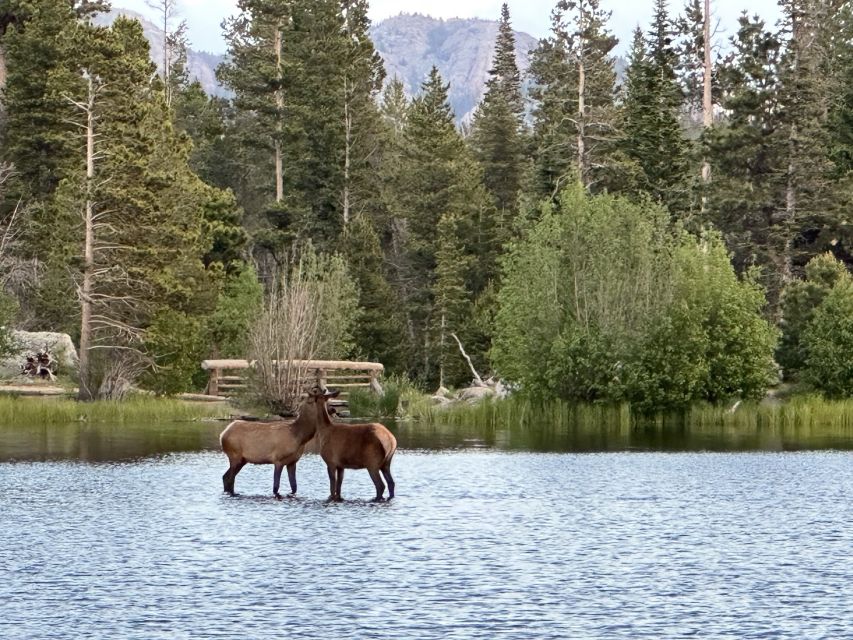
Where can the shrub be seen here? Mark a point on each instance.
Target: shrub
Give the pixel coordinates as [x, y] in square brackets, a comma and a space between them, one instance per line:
[800, 299]
[828, 342]
[308, 313]
[238, 305]
[176, 344]
[604, 300]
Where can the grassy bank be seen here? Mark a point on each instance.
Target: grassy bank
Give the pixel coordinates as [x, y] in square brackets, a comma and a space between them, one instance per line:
[19, 410]
[798, 412]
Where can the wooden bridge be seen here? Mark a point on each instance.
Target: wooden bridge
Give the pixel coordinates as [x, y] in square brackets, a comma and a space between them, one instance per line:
[227, 377]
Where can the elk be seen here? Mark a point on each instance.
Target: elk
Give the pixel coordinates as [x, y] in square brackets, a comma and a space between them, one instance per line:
[356, 446]
[279, 443]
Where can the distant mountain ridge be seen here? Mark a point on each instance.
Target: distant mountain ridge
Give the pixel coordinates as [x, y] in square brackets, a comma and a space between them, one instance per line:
[462, 49]
[410, 44]
[200, 64]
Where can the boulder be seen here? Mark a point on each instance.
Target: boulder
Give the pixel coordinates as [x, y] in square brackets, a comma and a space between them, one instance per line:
[29, 343]
[475, 394]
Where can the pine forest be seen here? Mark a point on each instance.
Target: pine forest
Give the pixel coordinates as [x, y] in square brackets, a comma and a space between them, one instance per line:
[681, 233]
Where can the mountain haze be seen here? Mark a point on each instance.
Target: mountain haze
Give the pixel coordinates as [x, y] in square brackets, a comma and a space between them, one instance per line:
[410, 44]
[462, 49]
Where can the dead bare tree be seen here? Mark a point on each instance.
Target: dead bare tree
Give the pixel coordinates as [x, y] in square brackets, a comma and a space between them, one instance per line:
[18, 275]
[174, 41]
[286, 334]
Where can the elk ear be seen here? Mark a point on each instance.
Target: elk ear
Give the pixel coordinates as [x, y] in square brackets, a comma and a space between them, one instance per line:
[332, 394]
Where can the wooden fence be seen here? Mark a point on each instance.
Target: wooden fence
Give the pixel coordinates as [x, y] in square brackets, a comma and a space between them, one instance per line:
[227, 377]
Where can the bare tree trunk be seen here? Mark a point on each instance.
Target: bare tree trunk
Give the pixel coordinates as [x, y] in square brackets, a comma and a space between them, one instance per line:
[167, 10]
[347, 151]
[707, 106]
[581, 122]
[86, 392]
[2, 69]
[279, 104]
[477, 379]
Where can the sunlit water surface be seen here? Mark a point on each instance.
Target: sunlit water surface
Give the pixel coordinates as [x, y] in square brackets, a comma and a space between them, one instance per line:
[124, 533]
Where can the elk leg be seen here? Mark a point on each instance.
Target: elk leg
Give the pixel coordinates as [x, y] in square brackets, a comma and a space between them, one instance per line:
[377, 482]
[332, 481]
[291, 476]
[386, 471]
[338, 484]
[276, 479]
[229, 476]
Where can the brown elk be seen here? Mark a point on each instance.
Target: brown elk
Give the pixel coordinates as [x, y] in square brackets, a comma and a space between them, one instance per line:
[356, 446]
[278, 443]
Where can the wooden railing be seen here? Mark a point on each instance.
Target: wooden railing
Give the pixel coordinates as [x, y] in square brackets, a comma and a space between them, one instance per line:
[227, 376]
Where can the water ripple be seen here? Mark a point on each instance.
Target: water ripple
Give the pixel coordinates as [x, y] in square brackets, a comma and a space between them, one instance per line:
[478, 544]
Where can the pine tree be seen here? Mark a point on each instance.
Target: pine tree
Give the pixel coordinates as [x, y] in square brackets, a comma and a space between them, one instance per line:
[653, 135]
[497, 132]
[379, 335]
[746, 148]
[36, 139]
[576, 118]
[452, 300]
[257, 71]
[437, 177]
[811, 204]
[315, 108]
[363, 76]
[143, 285]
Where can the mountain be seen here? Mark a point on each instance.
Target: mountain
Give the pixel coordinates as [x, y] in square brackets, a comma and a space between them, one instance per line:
[200, 64]
[409, 44]
[462, 49]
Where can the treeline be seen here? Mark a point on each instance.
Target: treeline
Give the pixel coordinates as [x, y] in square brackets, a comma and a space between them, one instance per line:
[596, 239]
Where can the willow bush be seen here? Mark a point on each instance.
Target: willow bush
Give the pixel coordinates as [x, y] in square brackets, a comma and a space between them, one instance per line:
[605, 299]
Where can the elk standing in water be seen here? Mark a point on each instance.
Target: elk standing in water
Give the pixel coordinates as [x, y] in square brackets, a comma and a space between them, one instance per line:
[277, 443]
[356, 446]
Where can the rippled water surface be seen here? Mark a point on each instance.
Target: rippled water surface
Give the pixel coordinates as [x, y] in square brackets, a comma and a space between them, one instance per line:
[133, 539]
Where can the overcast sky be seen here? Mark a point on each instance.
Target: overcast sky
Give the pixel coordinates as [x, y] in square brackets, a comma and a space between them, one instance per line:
[532, 16]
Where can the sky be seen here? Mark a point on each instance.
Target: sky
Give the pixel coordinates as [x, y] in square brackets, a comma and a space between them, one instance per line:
[532, 16]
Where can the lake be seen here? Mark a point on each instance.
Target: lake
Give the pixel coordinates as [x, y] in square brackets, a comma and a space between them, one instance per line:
[123, 532]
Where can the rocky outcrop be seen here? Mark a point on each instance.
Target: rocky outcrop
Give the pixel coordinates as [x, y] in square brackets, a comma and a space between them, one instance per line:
[462, 49]
[29, 343]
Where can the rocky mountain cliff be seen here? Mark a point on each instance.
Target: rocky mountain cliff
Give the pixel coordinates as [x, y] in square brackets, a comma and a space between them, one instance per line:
[462, 50]
[409, 44]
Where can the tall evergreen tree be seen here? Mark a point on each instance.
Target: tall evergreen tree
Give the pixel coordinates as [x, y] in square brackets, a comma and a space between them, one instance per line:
[746, 148]
[576, 118]
[437, 177]
[497, 131]
[654, 138]
[812, 200]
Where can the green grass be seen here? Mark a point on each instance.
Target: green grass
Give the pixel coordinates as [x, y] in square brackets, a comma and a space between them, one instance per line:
[364, 403]
[796, 413]
[26, 410]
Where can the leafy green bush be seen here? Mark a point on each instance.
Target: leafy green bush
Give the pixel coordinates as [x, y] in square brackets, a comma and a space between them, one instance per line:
[828, 342]
[711, 342]
[176, 343]
[605, 300]
[239, 303]
[800, 299]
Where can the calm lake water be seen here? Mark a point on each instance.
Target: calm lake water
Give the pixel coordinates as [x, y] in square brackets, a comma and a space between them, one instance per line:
[123, 532]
